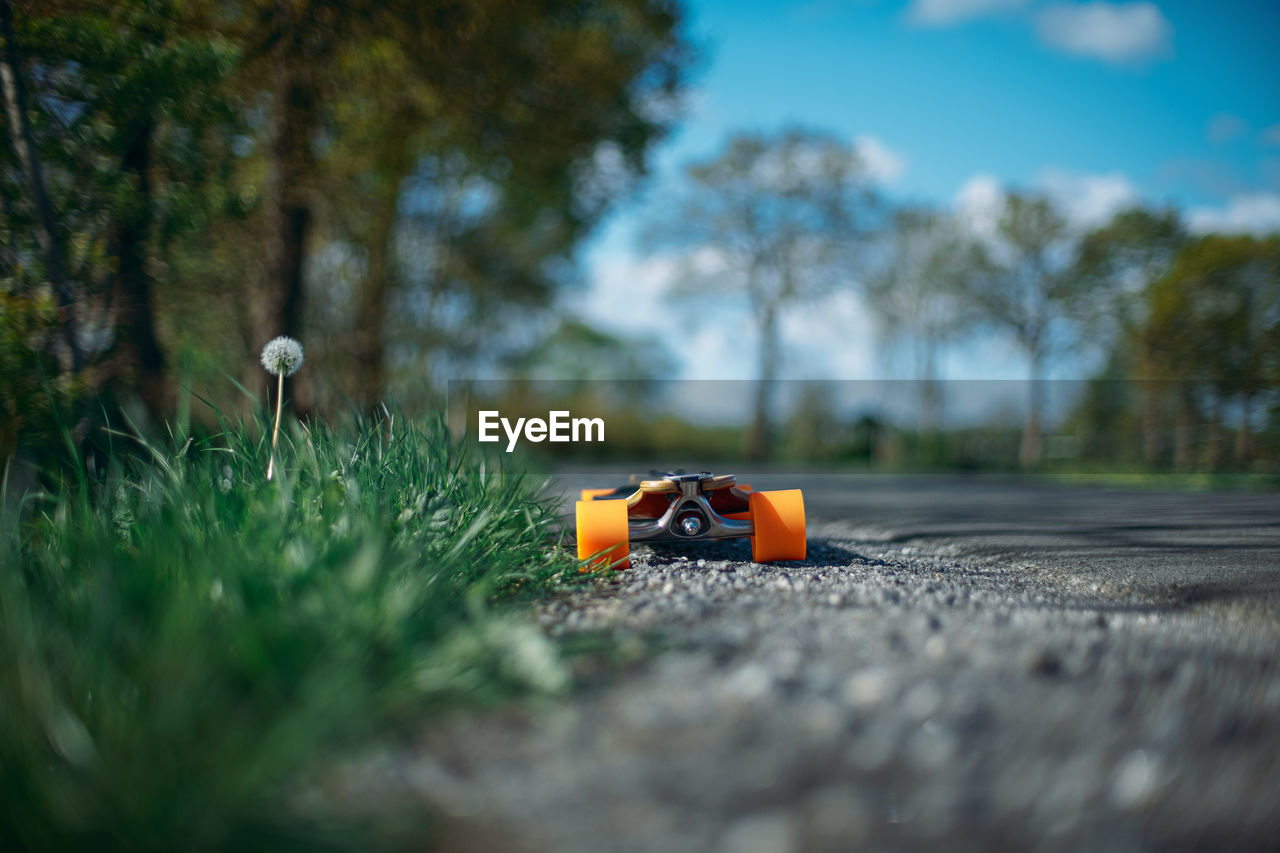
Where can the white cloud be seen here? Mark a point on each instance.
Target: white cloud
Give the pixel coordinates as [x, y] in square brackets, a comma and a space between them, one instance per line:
[883, 164]
[979, 205]
[630, 294]
[1088, 200]
[833, 338]
[1249, 213]
[944, 13]
[714, 348]
[1120, 33]
[627, 292]
[1271, 135]
[1224, 127]
[708, 262]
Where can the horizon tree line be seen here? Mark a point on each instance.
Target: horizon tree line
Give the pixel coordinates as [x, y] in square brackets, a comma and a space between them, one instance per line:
[405, 187]
[1190, 321]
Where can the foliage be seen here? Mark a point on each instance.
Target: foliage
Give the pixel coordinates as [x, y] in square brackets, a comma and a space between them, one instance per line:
[131, 130]
[776, 218]
[1214, 328]
[1027, 291]
[576, 349]
[778, 212]
[916, 288]
[917, 292]
[183, 642]
[1216, 314]
[448, 157]
[485, 139]
[33, 391]
[1120, 261]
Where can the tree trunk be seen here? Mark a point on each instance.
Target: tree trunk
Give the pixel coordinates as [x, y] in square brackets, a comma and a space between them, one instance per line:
[139, 360]
[1244, 437]
[930, 391]
[9, 252]
[371, 310]
[1215, 433]
[48, 233]
[371, 318]
[1032, 440]
[760, 441]
[1151, 395]
[1182, 430]
[279, 308]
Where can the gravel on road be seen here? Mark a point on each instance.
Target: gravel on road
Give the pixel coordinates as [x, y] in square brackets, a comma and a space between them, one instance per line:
[945, 681]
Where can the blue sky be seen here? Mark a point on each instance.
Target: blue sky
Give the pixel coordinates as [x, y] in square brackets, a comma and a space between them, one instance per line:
[990, 93]
[1100, 104]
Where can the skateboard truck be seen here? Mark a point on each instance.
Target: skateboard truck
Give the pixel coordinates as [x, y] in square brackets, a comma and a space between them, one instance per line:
[681, 507]
[690, 514]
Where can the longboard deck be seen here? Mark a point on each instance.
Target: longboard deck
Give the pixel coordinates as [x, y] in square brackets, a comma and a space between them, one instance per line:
[650, 496]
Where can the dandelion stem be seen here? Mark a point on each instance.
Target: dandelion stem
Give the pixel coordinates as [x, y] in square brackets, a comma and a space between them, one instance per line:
[275, 433]
[281, 356]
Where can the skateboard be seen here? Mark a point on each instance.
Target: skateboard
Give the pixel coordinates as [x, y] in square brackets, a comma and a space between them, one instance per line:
[679, 507]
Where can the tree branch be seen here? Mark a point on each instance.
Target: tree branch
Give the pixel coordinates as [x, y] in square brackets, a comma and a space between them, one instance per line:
[47, 232]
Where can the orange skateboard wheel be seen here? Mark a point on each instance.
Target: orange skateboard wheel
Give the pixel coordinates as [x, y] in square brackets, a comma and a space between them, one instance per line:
[603, 537]
[778, 518]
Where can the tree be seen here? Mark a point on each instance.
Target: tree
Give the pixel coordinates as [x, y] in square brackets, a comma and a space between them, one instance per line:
[917, 293]
[124, 97]
[50, 232]
[579, 367]
[814, 431]
[775, 219]
[577, 353]
[523, 98]
[1121, 261]
[1029, 292]
[173, 168]
[1215, 323]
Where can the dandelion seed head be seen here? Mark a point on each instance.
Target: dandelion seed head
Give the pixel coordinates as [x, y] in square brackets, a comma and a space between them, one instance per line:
[282, 356]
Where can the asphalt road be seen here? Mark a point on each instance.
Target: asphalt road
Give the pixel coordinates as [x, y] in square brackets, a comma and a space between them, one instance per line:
[1188, 546]
[962, 664]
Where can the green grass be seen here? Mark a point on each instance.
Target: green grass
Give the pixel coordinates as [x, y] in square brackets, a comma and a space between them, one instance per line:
[184, 643]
